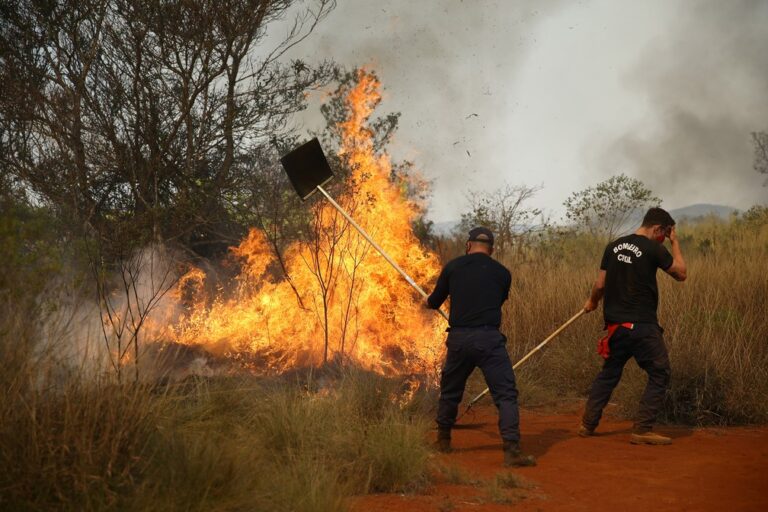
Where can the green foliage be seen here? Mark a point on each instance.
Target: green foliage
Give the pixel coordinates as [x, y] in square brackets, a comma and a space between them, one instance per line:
[423, 229]
[30, 249]
[606, 209]
[149, 112]
[756, 216]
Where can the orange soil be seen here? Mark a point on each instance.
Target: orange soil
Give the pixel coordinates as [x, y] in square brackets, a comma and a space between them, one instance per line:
[723, 469]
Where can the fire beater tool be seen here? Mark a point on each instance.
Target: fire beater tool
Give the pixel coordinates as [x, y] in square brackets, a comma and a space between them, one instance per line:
[308, 171]
[525, 358]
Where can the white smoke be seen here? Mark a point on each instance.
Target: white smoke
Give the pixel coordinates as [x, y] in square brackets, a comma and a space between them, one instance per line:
[706, 83]
[95, 330]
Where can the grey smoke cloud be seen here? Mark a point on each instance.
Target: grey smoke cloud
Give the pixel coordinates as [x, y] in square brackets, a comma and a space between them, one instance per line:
[449, 66]
[564, 94]
[706, 84]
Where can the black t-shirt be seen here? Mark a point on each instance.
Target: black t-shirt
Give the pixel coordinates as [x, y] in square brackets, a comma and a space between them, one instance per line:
[631, 293]
[478, 286]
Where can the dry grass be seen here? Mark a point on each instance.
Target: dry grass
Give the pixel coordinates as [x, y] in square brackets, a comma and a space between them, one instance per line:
[504, 488]
[67, 443]
[715, 325]
[73, 441]
[453, 474]
[224, 444]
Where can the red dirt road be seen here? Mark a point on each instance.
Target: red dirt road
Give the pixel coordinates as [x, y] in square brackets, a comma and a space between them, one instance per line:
[718, 469]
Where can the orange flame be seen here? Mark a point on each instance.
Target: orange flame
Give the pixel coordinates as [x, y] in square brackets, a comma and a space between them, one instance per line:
[355, 306]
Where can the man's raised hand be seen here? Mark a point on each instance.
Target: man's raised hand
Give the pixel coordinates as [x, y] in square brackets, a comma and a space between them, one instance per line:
[672, 234]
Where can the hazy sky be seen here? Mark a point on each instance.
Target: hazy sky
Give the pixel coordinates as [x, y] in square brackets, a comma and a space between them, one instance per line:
[565, 94]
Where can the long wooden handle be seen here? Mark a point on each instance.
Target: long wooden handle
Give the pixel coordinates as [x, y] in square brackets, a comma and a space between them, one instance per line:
[529, 354]
[377, 247]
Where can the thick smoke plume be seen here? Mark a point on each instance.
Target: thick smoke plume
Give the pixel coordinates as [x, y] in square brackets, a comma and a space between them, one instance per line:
[706, 85]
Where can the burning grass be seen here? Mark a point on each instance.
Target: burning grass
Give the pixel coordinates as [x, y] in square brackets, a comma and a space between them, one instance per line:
[204, 444]
[310, 440]
[71, 442]
[336, 299]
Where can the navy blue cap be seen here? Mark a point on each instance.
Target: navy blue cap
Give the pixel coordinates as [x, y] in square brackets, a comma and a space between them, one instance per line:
[481, 234]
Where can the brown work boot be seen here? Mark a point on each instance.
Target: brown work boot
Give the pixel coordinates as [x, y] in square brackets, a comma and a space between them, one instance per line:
[585, 432]
[514, 457]
[649, 437]
[443, 443]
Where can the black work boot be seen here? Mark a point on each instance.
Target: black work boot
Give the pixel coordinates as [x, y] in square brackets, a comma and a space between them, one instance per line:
[514, 457]
[443, 440]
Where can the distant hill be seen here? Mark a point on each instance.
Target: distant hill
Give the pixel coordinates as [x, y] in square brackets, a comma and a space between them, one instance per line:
[695, 211]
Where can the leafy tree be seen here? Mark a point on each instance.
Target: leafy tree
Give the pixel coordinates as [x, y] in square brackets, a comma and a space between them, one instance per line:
[147, 113]
[138, 123]
[607, 209]
[757, 215]
[30, 249]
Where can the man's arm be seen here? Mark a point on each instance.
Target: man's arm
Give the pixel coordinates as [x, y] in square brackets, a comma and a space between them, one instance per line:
[440, 293]
[598, 289]
[678, 270]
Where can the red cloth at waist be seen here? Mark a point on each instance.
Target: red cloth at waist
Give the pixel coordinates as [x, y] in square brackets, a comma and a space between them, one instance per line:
[603, 346]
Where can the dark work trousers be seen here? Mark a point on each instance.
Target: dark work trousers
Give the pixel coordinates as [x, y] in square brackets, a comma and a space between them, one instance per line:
[483, 348]
[645, 342]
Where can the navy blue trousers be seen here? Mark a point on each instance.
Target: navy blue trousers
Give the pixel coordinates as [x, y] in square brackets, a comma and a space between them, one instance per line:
[486, 349]
[646, 344]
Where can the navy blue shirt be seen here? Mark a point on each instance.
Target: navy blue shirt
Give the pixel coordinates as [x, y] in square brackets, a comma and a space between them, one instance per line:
[631, 292]
[478, 286]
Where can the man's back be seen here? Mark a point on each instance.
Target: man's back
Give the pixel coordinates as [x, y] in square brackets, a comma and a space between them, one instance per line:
[631, 292]
[478, 286]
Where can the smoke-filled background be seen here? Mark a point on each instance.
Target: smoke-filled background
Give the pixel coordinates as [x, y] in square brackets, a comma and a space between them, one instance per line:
[565, 94]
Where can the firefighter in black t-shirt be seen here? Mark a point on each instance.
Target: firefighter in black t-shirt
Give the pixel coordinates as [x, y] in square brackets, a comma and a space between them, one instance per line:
[478, 286]
[627, 279]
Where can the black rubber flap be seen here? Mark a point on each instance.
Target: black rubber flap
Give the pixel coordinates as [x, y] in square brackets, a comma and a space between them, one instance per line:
[307, 168]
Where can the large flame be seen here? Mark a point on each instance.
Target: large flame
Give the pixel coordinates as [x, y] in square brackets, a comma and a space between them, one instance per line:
[341, 300]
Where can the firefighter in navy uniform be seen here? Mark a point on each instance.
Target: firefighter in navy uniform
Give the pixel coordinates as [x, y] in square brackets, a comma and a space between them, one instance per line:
[478, 285]
[627, 279]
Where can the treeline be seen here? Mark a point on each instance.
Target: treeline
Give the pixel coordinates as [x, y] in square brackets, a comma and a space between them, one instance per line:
[138, 122]
[136, 137]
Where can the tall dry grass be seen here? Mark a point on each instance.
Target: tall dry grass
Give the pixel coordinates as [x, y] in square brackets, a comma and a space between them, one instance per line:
[715, 323]
[74, 440]
[67, 443]
[73, 443]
